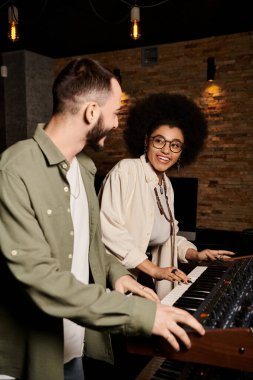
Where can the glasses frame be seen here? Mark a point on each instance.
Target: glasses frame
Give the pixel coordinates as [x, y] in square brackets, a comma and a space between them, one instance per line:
[166, 142]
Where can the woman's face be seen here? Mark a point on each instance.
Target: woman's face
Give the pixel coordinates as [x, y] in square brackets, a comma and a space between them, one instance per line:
[162, 158]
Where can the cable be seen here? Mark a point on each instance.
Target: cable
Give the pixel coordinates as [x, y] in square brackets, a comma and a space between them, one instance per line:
[127, 15]
[105, 20]
[3, 5]
[144, 6]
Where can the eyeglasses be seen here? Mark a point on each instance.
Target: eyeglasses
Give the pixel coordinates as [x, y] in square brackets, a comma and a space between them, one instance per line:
[159, 142]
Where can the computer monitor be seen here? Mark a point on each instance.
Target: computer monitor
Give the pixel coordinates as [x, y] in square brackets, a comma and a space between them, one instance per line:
[185, 205]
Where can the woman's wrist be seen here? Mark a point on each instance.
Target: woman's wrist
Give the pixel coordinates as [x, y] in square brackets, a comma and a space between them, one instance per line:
[149, 268]
[192, 254]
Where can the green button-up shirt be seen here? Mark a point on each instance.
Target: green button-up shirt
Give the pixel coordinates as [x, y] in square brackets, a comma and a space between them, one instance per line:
[37, 289]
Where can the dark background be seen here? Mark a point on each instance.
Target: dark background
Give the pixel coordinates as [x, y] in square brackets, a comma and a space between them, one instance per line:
[62, 28]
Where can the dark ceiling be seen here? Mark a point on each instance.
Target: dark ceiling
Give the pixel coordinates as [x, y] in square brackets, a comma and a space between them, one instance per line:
[62, 28]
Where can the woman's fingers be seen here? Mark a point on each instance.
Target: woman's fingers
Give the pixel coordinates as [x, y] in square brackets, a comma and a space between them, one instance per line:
[178, 276]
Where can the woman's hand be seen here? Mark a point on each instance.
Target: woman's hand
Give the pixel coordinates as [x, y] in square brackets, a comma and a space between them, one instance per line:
[209, 254]
[171, 274]
[167, 273]
[126, 284]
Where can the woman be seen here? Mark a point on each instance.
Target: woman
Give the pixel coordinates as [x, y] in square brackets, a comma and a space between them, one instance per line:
[136, 197]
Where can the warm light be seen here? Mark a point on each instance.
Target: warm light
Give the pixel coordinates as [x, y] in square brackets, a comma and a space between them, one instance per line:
[13, 33]
[135, 32]
[211, 100]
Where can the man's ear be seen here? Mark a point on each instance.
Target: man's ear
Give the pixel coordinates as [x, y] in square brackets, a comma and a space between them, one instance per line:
[92, 113]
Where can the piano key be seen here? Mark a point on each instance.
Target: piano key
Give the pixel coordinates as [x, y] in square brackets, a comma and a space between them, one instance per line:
[203, 279]
[179, 290]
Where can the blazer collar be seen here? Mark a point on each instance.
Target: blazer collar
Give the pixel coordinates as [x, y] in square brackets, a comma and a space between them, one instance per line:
[150, 174]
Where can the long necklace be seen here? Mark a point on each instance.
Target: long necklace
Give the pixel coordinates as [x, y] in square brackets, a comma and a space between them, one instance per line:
[77, 187]
[160, 206]
[170, 218]
[74, 181]
[161, 187]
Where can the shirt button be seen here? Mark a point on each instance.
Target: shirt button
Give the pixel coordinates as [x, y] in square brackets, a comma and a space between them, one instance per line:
[64, 165]
[71, 233]
[70, 256]
[14, 252]
[49, 212]
[66, 189]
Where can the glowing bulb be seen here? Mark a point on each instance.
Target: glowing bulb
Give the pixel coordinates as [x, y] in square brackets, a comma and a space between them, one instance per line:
[13, 32]
[135, 32]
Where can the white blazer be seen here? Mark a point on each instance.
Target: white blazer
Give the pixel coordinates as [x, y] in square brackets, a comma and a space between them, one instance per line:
[127, 202]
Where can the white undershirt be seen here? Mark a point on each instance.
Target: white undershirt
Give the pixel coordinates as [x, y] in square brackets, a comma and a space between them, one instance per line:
[73, 333]
[161, 228]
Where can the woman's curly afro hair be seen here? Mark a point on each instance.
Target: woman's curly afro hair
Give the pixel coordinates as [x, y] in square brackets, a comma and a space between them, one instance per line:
[173, 109]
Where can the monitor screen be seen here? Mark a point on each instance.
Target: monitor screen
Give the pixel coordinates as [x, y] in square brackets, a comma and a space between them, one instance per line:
[185, 205]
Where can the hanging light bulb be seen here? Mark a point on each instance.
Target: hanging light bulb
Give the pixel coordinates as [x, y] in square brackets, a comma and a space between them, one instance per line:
[135, 32]
[13, 32]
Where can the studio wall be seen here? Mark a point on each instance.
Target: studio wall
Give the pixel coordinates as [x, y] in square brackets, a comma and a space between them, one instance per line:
[225, 167]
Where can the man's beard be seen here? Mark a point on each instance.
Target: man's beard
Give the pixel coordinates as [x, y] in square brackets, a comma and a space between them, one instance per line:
[96, 134]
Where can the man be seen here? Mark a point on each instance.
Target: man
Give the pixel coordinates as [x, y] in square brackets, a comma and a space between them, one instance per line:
[53, 268]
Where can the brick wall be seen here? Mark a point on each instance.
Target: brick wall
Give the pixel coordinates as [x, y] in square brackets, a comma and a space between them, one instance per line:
[225, 167]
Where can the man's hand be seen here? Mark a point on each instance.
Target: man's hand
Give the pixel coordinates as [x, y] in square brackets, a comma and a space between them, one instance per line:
[167, 322]
[126, 284]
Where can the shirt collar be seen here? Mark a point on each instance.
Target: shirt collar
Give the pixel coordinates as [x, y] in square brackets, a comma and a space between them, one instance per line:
[150, 174]
[50, 151]
[53, 154]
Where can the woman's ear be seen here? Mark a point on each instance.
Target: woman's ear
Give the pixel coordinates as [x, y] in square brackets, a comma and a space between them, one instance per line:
[92, 113]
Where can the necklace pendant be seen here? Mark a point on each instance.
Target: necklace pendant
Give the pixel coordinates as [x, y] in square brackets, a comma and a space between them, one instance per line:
[161, 190]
